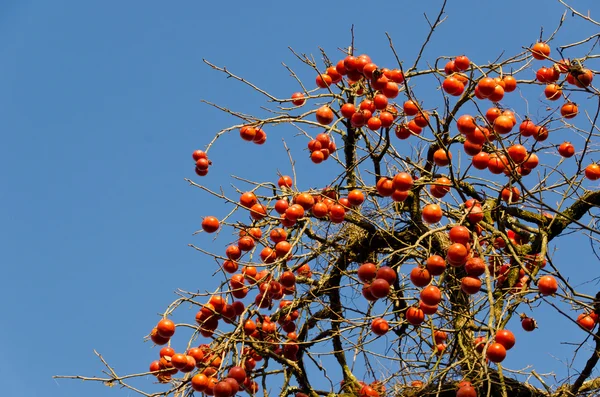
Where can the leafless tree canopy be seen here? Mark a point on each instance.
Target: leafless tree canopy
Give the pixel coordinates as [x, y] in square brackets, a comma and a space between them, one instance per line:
[441, 256]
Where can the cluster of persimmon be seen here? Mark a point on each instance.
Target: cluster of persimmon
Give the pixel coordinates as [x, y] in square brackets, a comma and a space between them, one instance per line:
[327, 204]
[362, 75]
[321, 148]
[205, 380]
[454, 84]
[253, 134]
[495, 351]
[376, 112]
[324, 204]
[202, 162]
[269, 289]
[261, 328]
[378, 281]
[460, 255]
[575, 75]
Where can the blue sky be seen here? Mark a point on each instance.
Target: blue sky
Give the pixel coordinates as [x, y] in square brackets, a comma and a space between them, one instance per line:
[100, 113]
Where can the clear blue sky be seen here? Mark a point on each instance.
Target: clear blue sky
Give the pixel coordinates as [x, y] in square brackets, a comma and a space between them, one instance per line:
[100, 111]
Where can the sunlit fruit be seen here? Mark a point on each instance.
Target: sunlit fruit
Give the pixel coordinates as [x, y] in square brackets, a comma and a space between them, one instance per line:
[540, 50]
[210, 224]
[367, 271]
[432, 213]
[165, 328]
[380, 288]
[547, 285]
[496, 353]
[380, 326]
[431, 295]
[436, 265]
[414, 315]
[506, 338]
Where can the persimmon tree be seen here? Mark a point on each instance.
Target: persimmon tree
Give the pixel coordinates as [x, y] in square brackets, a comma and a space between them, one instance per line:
[405, 275]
